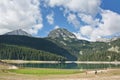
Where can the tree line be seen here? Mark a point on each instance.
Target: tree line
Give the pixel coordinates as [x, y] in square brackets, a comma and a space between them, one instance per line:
[24, 53]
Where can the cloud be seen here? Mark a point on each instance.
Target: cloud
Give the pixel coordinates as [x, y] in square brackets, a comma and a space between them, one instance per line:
[82, 14]
[108, 25]
[86, 30]
[80, 36]
[36, 28]
[88, 19]
[56, 27]
[72, 18]
[77, 11]
[50, 18]
[26, 14]
[20, 14]
[110, 22]
[83, 6]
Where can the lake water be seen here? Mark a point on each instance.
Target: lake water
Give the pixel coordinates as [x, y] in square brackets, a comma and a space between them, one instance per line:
[68, 65]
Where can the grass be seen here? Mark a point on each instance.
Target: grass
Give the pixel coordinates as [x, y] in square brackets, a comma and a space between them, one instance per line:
[55, 74]
[34, 71]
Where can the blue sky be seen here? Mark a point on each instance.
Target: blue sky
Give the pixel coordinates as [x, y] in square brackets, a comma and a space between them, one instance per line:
[87, 19]
[113, 5]
[61, 21]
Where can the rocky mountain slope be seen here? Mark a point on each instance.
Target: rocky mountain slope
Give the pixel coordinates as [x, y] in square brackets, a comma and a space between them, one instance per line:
[36, 43]
[18, 32]
[61, 33]
[64, 43]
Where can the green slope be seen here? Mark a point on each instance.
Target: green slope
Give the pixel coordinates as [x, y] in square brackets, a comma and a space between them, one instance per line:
[24, 53]
[36, 43]
[91, 51]
[72, 49]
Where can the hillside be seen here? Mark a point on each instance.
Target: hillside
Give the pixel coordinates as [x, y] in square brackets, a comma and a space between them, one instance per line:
[36, 43]
[23, 53]
[18, 32]
[88, 51]
[64, 44]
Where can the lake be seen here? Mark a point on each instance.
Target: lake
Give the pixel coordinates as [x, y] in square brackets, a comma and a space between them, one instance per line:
[67, 65]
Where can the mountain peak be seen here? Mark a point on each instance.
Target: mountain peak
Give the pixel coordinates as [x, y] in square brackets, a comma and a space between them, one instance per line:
[61, 33]
[18, 32]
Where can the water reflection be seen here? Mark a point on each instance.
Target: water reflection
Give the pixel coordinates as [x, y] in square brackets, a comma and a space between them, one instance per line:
[68, 65]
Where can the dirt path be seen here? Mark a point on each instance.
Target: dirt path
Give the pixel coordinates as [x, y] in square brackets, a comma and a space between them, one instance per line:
[96, 78]
[38, 78]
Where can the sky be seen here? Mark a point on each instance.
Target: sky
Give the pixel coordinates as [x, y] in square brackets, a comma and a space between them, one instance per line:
[87, 19]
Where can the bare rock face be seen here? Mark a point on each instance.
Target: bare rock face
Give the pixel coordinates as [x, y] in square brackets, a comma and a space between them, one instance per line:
[61, 33]
[18, 32]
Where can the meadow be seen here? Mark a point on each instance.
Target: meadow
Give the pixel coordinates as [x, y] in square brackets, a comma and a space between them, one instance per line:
[35, 71]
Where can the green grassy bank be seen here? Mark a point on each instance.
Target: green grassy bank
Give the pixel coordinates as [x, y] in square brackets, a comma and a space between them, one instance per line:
[34, 71]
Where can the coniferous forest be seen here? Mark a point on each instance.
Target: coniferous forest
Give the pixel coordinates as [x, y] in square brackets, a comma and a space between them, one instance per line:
[47, 49]
[13, 52]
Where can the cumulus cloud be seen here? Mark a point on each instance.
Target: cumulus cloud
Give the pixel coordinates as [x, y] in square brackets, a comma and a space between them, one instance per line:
[80, 36]
[108, 25]
[84, 6]
[86, 30]
[110, 22]
[56, 27]
[84, 11]
[76, 10]
[26, 14]
[72, 18]
[50, 18]
[88, 19]
[20, 14]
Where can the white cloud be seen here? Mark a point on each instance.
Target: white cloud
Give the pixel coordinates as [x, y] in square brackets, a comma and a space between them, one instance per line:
[84, 6]
[50, 18]
[89, 20]
[54, 3]
[36, 28]
[109, 25]
[56, 27]
[110, 22]
[85, 11]
[86, 30]
[16, 14]
[80, 36]
[75, 10]
[72, 18]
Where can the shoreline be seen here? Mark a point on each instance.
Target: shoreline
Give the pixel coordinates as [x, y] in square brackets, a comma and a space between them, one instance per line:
[77, 62]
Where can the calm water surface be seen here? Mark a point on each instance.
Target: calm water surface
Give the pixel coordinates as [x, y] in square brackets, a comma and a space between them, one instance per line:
[68, 65]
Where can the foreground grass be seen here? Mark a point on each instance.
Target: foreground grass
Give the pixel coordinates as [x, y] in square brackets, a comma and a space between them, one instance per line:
[58, 74]
[34, 71]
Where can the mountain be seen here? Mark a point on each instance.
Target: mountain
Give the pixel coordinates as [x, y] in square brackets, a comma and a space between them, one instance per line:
[85, 50]
[107, 40]
[36, 43]
[111, 38]
[18, 32]
[24, 53]
[61, 43]
[67, 40]
[103, 40]
[61, 33]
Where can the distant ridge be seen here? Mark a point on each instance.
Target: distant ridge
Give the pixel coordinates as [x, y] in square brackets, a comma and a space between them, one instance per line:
[61, 33]
[18, 32]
